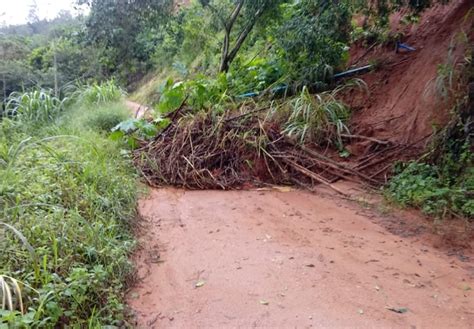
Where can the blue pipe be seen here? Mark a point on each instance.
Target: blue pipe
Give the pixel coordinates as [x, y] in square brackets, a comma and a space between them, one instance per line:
[404, 46]
[352, 71]
[248, 95]
[255, 94]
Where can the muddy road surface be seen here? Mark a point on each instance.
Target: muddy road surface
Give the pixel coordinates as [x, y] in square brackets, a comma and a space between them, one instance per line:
[291, 259]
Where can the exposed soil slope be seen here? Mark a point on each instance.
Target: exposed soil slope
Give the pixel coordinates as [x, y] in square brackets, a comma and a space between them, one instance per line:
[213, 259]
[401, 106]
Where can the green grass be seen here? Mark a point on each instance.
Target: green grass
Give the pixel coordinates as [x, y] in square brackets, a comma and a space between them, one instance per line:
[424, 186]
[97, 93]
[38, 106]
[318, 118]
[67, 204]
[102, 119]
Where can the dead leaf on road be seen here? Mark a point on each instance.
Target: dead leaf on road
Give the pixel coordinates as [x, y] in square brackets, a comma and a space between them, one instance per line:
[399, 310]
[200, 283]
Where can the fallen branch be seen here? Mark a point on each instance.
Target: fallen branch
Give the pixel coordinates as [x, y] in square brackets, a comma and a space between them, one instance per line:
[378, 141]
[314, 176]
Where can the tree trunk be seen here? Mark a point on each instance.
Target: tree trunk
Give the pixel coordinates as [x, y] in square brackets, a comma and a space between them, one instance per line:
[241, 39]
[224, 66]
[4, 101]
[55, 71]
[229, 56]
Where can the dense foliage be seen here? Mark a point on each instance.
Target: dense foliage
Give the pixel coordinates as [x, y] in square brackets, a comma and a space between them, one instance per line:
[67, 200]
[259, 43]
[49, 57]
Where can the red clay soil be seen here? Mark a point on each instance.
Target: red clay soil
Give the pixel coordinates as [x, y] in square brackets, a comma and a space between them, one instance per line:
[287, 259]
[137, 110]
[402, 106]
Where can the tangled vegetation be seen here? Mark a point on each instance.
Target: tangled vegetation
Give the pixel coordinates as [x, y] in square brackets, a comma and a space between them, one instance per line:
[67, 200]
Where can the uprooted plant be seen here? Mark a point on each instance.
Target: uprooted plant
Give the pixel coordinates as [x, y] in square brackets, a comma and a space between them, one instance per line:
[279, 141]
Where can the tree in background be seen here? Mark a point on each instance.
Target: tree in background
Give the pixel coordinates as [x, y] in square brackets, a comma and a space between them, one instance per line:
[313, 39]
[47, 54]
[238, 18]
[127, 30]
[14, 71]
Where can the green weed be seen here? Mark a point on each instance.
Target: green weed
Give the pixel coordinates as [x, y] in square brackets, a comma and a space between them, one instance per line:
[38, 105]
[422, 185]
[101, 118]
[67, 200]
[316, 118]
[97, 93]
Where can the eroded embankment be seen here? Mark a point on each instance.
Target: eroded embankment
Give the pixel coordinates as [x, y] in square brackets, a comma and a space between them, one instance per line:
[284, 259]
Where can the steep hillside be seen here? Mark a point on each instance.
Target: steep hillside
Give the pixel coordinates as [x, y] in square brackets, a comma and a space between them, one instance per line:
[402, 105]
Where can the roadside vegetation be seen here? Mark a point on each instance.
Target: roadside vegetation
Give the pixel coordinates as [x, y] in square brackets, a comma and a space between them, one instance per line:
[67, 200]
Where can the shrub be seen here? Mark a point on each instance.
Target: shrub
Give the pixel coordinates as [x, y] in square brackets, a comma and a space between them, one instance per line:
[106, 117]
[36, 105]
[312, 41]
[420, 185]
[96, 93]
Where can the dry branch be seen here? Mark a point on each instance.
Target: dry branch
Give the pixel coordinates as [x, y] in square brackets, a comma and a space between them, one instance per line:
[207, 151]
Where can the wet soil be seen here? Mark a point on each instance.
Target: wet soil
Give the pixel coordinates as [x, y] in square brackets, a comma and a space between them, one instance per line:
[402, 104]
[284, 258]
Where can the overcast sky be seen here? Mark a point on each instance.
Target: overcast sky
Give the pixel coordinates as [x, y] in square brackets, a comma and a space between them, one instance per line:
[16, 11]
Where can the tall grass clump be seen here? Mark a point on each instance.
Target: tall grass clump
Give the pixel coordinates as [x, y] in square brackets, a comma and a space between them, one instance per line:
[37, 105]
[98, 93]
[67, 203]
[318, 118]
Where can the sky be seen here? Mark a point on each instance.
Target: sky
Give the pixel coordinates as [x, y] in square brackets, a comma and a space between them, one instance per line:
[14, 12]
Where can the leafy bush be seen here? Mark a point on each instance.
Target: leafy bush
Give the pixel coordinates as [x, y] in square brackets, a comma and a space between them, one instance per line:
[70, 197]
[312, 41]
[199, 93]
[38, 106]
[255, 75]
[172, 96]
[421, 185]
[106, 120]
[134, 130]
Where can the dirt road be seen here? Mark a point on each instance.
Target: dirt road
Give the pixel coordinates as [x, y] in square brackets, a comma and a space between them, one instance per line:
[137, 110]
[287, 259]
